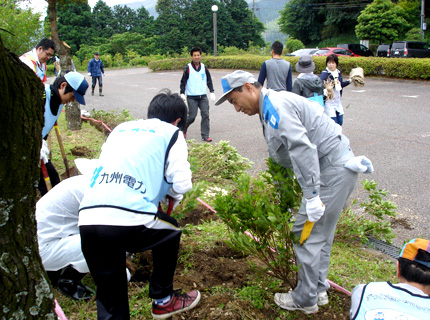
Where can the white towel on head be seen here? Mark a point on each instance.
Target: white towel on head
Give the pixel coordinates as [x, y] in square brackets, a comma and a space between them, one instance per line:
[360, 164]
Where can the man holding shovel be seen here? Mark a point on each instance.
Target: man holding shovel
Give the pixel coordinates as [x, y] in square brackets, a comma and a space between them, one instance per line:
[65, 89]
[301, 137]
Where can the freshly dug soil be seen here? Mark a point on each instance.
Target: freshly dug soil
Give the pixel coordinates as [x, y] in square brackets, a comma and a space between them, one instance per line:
[222, 267]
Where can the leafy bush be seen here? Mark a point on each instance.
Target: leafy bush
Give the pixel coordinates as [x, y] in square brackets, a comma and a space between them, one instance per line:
[293, 45]
[216, 162]
[397, 68]
[369, 221]
[262, 207]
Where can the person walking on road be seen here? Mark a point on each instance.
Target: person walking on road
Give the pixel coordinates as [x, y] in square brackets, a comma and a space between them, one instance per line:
[308, 84]
[36, 59]
[141, 163]
[333, 107]
[277, 71]
[300, 136]
[195, 79]
[96, 70]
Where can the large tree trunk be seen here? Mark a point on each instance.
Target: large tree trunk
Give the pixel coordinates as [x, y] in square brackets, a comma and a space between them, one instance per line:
[73, 116]
[73, 111]
[25, 291]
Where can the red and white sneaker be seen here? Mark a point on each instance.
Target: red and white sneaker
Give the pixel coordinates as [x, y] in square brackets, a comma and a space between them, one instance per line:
[178, 303]
[207, 139]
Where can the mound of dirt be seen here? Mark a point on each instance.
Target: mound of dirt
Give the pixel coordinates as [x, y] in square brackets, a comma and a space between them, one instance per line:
[217, 272]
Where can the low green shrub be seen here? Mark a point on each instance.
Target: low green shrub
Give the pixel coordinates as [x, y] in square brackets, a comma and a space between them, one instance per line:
[373, 66]
[369, 217]
[263, 207]
[293, 45]
[216, 162]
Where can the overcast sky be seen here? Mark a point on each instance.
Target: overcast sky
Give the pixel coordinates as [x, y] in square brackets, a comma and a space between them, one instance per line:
[40, 5]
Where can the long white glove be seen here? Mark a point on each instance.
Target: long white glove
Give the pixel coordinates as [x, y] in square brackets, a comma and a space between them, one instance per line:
[212, 95]
[177, 197]
[89, 74]
[314, 209]
[183, 97]
[44, 152]
[360, 164]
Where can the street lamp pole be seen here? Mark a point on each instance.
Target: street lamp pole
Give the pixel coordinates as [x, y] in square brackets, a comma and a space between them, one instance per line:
[214, 10]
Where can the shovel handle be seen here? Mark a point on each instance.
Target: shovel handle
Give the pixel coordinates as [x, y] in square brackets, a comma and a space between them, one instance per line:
[45, 175]
[169, 207]
[63, 153]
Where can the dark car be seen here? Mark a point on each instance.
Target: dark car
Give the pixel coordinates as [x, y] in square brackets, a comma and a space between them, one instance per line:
[409, 49]
[383, 50]
[337, 51]
[357, 48]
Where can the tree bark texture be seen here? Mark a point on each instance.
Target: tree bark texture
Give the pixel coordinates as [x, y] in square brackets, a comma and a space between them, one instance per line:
[25, 291]
[73, 113]
[73, 116]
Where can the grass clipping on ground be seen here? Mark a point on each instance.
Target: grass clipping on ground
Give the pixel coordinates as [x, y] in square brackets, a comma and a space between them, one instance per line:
[230, 287]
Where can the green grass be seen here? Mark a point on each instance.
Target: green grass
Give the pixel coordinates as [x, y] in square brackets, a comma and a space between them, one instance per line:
[351, 264]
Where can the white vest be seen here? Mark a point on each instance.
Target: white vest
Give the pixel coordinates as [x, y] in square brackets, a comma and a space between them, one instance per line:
[50, 118]
[130, 175]
[383, 301]
[197, 81]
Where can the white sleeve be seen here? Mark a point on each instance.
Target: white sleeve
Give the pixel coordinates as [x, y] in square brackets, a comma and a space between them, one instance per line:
[28, 62]
[178, 170]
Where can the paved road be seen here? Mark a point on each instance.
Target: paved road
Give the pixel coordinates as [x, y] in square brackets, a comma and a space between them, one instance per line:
[387, 120]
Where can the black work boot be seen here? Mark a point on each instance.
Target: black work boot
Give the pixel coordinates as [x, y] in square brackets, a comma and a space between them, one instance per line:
[100, 92]
[70, 284]
[92, 91]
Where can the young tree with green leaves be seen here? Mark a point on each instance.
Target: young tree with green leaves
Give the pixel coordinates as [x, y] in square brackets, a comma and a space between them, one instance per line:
[22, 27]
[381, 21]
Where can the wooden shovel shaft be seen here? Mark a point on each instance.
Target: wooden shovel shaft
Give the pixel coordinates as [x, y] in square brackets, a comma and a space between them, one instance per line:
[63, 153]
[45, 175]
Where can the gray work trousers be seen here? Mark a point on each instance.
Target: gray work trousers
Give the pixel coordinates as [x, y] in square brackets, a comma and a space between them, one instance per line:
[202, 103]
[337, 184]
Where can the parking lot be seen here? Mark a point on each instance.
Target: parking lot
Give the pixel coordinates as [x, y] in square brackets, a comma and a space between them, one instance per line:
[386, 120]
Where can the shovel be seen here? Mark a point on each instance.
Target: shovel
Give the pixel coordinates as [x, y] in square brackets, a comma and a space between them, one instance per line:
[69, 171]
[170, 206]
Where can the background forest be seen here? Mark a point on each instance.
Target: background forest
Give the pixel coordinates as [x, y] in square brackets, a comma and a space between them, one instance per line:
[169, 28]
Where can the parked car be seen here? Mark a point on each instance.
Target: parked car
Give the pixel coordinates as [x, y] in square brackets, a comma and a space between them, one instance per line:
[301, 52]
[357, 48]
[383, 50]
[409, 49]
[337, 51]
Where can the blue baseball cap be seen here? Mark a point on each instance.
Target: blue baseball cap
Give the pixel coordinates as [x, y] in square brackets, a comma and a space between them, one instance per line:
[79, 85]
[232, 81]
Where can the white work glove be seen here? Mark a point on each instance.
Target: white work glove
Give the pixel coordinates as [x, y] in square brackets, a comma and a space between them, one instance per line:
[212, 95]
[183, 97]
[359, 164]
[314, 209]
[44, 152]
[104, 74]
[325, 92]
[89, 74]
[177, 197]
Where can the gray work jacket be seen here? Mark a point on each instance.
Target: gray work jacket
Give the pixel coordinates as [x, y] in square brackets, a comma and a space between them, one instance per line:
[300, 136]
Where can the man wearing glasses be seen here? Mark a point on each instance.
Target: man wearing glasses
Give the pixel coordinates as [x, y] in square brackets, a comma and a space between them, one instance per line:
[36, 59]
